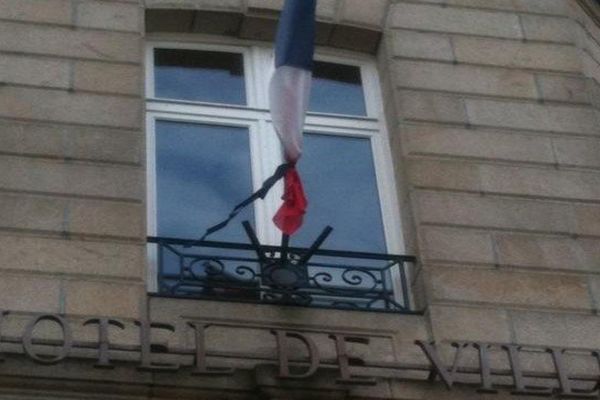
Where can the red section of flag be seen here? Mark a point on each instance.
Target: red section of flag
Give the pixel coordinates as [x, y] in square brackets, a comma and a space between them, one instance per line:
[289, 216]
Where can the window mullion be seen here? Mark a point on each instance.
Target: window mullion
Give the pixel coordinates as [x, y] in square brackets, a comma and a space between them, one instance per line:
[262, 67]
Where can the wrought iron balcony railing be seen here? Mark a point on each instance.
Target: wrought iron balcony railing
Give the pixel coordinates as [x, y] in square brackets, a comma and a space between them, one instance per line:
[256, 273]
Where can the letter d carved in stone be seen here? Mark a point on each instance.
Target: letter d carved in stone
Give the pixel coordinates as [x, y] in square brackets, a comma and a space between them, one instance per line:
[283, 351]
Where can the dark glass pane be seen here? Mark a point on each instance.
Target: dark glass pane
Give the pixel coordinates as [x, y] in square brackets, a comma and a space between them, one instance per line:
[337, 89]
[339, 180]
[208, 76]
[202, 171]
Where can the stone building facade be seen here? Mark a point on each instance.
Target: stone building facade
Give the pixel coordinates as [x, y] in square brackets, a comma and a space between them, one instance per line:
[492, 109]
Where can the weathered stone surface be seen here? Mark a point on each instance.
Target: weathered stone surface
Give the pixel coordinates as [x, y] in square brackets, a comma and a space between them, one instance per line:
[514, 180]
[424, 106]
[444, 174]
[510, 288]
[58, 106]
[266, 4]
[31, 212]
[547, 252]
[410, 390]
[454, 20]
[514, 54]
[110, 78]
[587, 219]
[457, 245]
[103, 298]
[465, 79]
[540, 182]
[73, 257]
[326, 9]
[421, 45]
[354, 11]
[563, 88]
[545, 28]
[65, 42]
[106, 218]
[532, 116]
[553, 329]
[477, 143]
[28, 293]
[469, 323]
[70, 142]
[45, 11]
[496, 212]
[32, 175]
[109, 15]
[581, 152]
[534, 6]
[594, 284]
[34, 71]
[220, 5]
[77, 216]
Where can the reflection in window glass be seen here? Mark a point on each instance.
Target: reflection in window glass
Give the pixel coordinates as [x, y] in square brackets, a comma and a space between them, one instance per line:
[339, 180]
[337, 89]
[208, 76]
[201, 172]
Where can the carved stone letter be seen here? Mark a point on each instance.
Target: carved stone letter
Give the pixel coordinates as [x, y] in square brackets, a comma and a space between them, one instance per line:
[283, 352]
[200, 366]
[484, 365]
[344, 360]
[146, 363]
[515, 364]
[566, 390]
[438, 367]
[103, 342]
[66, 345]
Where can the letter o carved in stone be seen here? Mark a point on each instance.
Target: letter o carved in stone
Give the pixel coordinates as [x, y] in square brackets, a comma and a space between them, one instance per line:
[67, 340]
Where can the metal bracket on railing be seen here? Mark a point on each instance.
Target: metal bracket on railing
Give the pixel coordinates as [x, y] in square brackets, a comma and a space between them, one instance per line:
[280, 270]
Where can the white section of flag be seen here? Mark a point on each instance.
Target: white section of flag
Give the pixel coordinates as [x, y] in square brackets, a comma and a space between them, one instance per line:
[289, 93]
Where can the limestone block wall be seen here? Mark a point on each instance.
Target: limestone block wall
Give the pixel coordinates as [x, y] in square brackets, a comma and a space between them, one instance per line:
[71, 180]
[498, 128]
[493, 108]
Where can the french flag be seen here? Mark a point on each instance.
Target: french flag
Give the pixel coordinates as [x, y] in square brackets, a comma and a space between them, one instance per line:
[289, 94]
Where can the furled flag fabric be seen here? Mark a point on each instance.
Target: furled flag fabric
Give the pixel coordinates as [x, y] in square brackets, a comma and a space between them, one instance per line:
[289, 94]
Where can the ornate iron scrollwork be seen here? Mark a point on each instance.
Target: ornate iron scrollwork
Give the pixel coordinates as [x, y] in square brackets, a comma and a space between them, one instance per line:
[282, 274]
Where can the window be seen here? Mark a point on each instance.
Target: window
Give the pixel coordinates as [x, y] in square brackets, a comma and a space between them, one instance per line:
[211, 143]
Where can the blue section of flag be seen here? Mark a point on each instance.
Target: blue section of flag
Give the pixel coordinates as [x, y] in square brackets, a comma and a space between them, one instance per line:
[295, 41]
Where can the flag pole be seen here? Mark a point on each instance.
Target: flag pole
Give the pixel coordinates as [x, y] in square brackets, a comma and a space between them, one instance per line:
[285, 242]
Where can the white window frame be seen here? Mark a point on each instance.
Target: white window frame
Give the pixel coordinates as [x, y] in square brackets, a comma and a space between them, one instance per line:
[255, 116]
